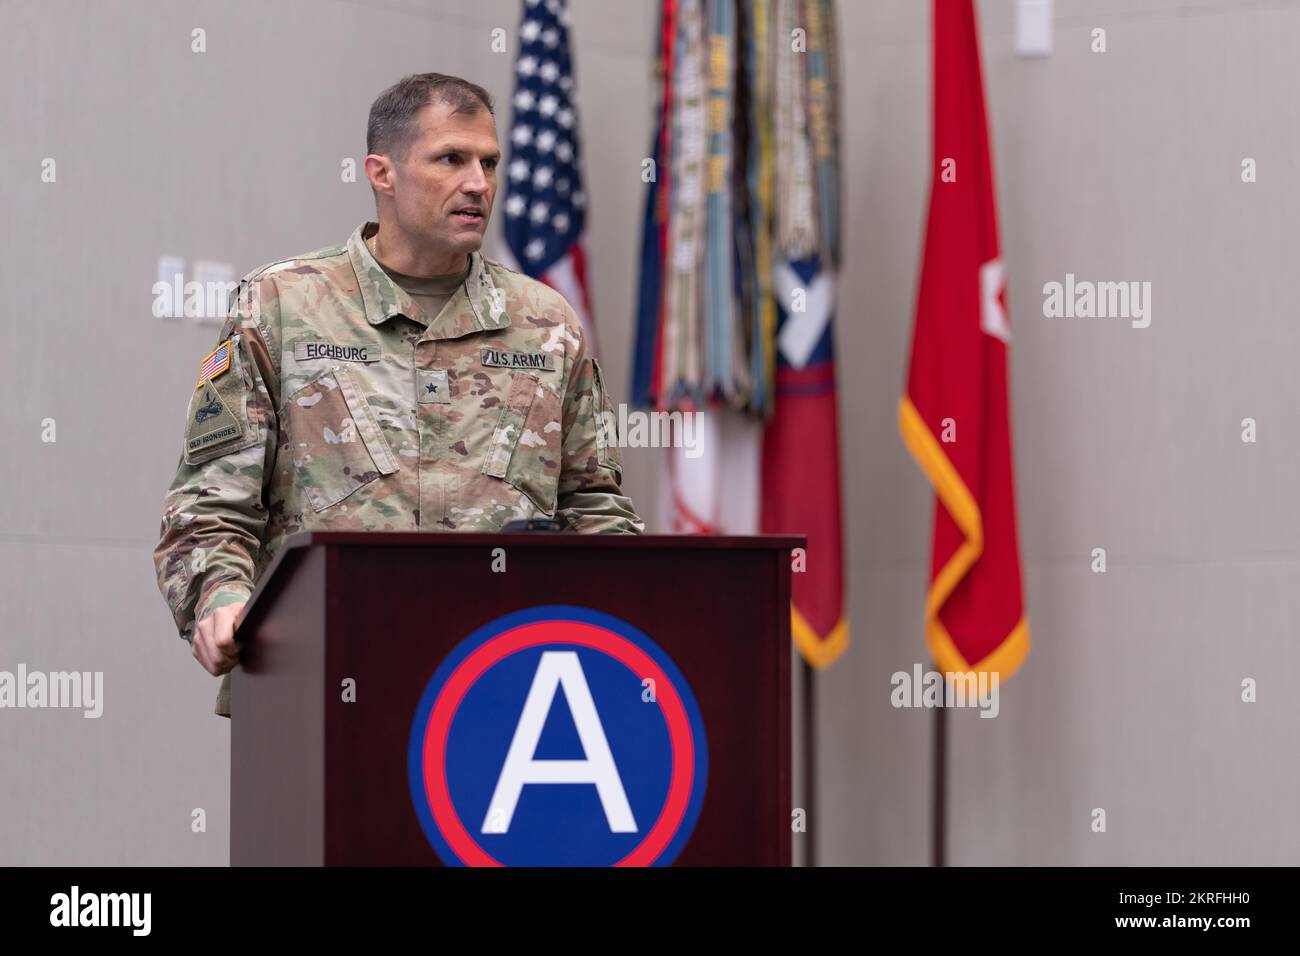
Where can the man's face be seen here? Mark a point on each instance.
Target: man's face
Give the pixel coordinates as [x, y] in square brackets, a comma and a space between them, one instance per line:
[443, 190]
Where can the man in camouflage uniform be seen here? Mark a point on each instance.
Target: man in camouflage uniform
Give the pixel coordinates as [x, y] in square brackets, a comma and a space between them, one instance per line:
[345, 393]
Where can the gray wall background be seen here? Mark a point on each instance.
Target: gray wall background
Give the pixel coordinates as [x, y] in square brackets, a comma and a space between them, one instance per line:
[1116, 166]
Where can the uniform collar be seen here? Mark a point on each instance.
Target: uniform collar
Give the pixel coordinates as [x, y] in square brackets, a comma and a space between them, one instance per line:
[478, 305]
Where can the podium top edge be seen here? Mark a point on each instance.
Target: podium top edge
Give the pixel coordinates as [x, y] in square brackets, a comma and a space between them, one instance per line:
[545, 539]
[295, 546]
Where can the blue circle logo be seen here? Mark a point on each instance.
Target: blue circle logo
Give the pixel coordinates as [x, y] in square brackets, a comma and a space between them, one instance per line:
[557, 736]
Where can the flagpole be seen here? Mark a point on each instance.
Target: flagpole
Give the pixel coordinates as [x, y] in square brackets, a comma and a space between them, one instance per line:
[809, 708]
[939, 796]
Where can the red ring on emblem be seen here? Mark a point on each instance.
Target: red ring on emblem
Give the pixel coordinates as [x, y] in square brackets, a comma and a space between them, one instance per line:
[556, 632]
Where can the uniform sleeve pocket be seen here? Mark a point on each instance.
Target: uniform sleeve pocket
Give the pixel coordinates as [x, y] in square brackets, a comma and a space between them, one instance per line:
[607, 453]
[335, 441]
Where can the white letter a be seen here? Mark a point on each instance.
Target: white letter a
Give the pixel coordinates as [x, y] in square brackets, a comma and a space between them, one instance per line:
[554, 669]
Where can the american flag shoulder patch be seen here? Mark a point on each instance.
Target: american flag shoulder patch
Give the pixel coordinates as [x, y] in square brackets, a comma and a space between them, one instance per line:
[216, 362]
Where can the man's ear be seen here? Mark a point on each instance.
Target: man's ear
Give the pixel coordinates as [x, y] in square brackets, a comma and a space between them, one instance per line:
[379, 170]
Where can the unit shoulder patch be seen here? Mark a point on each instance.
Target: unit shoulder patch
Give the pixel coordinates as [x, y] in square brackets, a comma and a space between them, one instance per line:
[211, 423]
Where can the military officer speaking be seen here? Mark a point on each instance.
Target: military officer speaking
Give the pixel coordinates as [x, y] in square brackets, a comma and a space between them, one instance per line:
[400, 381]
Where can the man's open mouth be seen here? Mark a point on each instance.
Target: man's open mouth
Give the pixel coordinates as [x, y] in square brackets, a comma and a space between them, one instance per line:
[467, 215]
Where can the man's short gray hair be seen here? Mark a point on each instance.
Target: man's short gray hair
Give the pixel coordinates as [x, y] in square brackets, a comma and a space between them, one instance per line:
[391, 129]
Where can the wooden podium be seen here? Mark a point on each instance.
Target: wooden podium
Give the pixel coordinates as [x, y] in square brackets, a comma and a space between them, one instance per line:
[346, 632]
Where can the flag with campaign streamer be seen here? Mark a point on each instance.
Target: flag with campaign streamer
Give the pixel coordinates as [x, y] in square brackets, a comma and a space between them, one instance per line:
[801, 445]
[740, 251]
[955, 415]
[544, 204]
[800, 465]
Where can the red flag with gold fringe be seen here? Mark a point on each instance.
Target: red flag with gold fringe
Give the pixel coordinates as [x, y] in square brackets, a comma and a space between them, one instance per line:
[955, 415]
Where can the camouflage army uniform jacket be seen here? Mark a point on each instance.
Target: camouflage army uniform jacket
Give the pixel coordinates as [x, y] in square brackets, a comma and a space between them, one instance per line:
[332, 403]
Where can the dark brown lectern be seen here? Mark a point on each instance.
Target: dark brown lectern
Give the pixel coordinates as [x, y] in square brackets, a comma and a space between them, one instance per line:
[346, 630]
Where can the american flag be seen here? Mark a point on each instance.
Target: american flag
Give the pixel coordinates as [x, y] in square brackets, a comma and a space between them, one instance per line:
[216, 362]
[544, 200]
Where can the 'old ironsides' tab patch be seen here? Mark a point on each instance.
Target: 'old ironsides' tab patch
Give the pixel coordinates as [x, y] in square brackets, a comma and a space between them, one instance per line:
[211, 421]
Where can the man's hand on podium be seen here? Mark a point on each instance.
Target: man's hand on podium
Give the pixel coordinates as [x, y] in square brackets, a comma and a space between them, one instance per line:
[214, 640]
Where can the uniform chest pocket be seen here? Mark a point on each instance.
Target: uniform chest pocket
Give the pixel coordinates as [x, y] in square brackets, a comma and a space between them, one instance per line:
[335, 441]
[525, 447]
